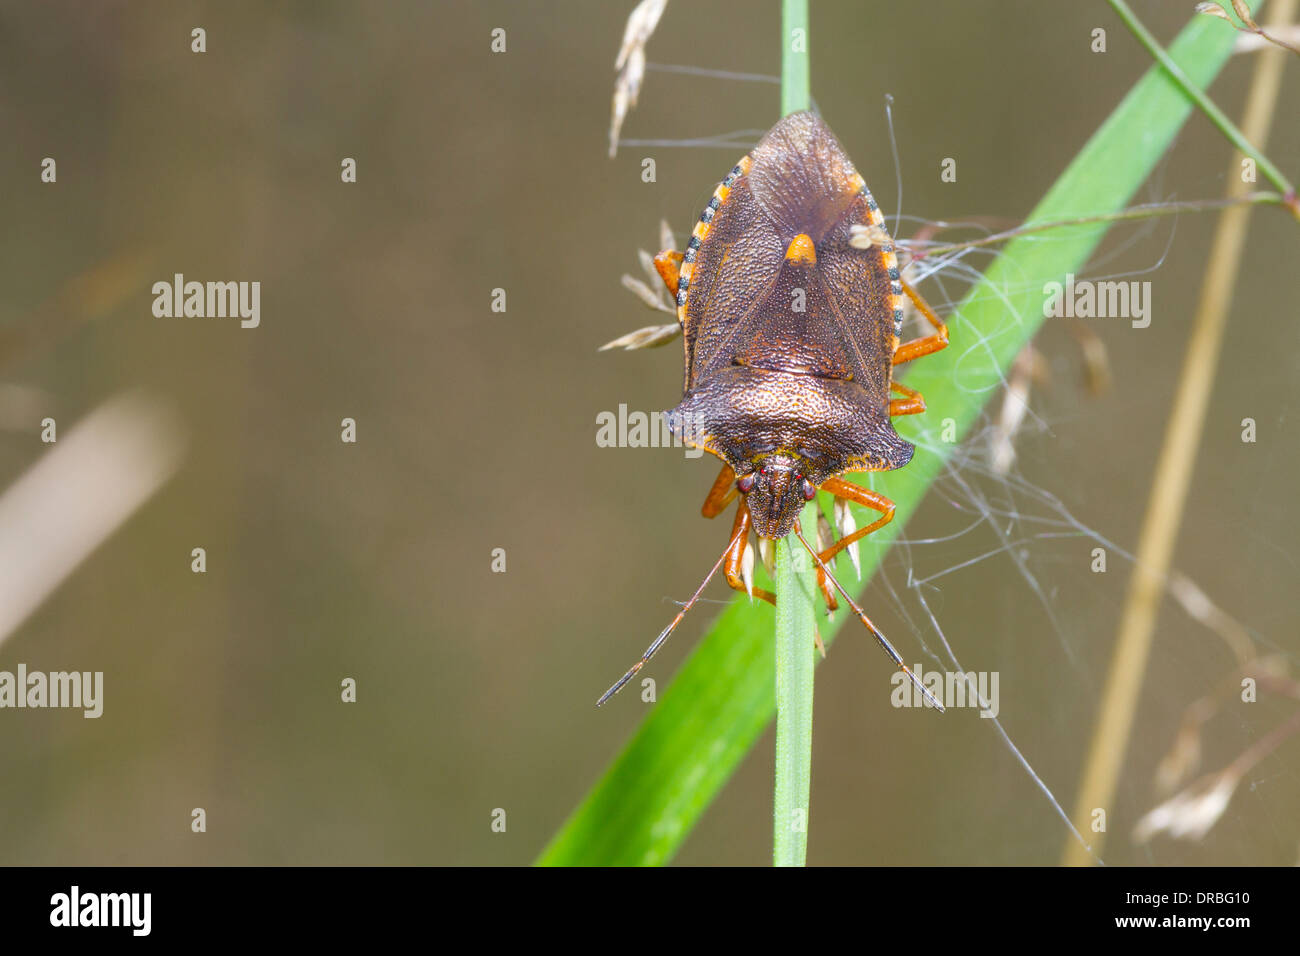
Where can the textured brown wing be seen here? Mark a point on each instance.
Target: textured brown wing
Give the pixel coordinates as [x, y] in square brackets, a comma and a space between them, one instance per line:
[734, 268]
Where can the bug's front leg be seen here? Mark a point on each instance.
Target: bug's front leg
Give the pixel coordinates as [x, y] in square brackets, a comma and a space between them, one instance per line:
[863, 496]
[720, 495]
[732, 566]
[832, 604]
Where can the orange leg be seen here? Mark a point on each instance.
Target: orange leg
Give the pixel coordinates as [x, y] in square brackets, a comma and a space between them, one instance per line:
[731, 566]
[720, 495]
[931, 343]
[863, 496]
[910, 404]
[668, 264]
[828, 595]
[832, 605]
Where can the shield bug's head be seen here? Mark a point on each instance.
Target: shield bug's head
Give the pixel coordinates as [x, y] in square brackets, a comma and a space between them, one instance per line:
[776, 489]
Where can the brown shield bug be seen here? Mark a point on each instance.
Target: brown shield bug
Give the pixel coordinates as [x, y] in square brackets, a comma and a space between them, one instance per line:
[791, 334]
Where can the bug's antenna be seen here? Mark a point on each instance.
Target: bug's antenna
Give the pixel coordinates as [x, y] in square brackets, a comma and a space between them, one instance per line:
[898, 170]
[884, 641]
[663, 635]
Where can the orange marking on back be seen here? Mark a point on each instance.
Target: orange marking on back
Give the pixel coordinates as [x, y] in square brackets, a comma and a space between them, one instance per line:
[801, 251]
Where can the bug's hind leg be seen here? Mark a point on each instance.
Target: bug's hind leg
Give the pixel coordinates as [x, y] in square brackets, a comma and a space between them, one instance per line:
[930, 343]
[863, 496]
[732, 566]
[669, 266]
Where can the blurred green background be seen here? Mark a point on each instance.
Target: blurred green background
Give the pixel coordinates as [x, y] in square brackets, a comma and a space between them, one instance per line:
[476, 430]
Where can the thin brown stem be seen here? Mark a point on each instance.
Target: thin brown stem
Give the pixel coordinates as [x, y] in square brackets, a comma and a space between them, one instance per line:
[1173, 474]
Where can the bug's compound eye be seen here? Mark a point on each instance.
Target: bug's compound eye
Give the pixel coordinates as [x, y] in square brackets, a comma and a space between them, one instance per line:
[745, 484]
[809, 490]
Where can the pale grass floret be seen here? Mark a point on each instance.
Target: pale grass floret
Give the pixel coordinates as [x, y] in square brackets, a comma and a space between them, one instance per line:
[847, 524]
[747, 569]
[1191, 813]
[631, 64]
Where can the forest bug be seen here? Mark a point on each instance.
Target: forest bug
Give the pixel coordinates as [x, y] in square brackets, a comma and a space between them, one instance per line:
[791, 334]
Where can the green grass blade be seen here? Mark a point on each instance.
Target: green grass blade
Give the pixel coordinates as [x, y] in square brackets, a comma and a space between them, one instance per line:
[1203, 102]
[795, 614]
[721, 700]
[795, 653]
[796, 91]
